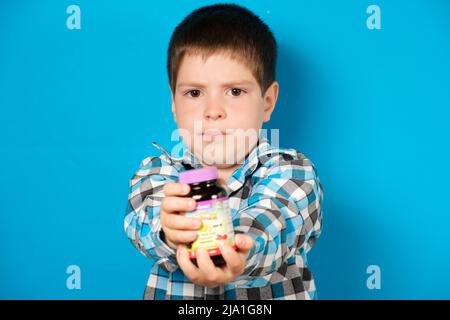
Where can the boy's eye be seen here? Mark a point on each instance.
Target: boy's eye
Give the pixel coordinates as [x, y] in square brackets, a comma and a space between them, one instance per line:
[236, 92]
[193, 93]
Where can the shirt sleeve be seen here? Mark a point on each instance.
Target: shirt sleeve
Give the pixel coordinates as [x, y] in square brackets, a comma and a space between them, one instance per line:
[142, 218]
[283, 216]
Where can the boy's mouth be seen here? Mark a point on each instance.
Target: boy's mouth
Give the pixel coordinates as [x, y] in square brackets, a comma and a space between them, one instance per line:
[212, 134]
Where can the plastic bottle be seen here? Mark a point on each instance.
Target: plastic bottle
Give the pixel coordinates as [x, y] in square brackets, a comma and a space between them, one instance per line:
[213, 209]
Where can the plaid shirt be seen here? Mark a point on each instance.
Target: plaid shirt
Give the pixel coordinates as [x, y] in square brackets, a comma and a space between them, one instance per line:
[275, 197]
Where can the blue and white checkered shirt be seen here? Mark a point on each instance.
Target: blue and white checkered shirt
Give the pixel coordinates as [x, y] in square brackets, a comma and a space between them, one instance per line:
[275, 197]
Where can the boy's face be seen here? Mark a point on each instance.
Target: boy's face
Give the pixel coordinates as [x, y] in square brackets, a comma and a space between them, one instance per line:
[219, 108]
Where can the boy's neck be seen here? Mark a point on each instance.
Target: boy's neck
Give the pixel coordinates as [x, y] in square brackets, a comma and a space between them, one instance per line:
[225, 174]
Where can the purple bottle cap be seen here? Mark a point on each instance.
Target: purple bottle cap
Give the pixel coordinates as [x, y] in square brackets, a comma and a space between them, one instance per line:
[198, 175]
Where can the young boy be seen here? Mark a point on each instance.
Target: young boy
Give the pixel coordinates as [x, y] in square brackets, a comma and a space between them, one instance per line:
[221, 65]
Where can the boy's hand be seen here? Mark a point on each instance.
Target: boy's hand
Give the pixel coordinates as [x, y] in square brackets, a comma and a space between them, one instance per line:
[178, 229]
[207, 274]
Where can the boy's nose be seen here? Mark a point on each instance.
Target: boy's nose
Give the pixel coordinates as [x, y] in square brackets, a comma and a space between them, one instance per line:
[214, 113]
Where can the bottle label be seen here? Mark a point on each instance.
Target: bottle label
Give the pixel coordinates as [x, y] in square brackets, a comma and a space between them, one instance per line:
[216, 225]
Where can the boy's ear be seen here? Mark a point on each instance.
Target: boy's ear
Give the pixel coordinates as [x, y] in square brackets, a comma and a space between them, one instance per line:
[270, 99]
[173, 105]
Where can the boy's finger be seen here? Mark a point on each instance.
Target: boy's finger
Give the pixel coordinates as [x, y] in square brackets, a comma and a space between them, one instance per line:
[232, 258]
[189, 269]
[176, 189]
[179, 236]
[177, 204]
[181, 222]
[205, 263]
[244, 243]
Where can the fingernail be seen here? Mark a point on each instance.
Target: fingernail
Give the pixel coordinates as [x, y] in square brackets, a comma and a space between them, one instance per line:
[191, 203]
[185, 188]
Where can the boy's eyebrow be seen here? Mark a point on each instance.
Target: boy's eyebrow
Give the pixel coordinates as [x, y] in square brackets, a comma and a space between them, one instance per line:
[228, 84]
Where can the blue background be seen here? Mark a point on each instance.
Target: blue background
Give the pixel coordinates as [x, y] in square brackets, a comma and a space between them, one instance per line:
[80, 108]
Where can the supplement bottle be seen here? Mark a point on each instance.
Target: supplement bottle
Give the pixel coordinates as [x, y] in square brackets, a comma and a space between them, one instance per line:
[212, 208]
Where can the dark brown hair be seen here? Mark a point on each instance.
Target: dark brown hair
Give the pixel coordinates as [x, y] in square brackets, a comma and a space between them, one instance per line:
[229, 29]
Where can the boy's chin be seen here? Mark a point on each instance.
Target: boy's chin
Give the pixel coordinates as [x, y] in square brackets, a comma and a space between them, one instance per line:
[225, 165]
[220, 156]
[220, 161]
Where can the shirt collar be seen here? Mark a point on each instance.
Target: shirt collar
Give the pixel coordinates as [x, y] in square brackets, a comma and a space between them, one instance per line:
[251, 162]
[188, 157]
